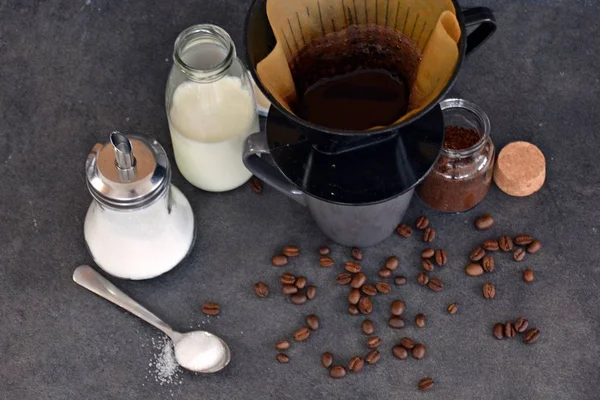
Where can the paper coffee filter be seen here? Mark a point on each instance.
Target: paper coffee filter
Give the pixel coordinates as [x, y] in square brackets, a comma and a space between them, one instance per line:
[431, 24]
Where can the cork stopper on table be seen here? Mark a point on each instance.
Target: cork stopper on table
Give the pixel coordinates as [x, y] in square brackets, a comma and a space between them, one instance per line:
[520, 169]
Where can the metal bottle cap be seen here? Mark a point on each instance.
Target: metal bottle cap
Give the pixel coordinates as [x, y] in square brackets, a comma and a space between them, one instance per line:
[127, 172]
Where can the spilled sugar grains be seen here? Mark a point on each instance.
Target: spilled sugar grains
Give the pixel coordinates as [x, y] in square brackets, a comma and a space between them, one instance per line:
[163, 367]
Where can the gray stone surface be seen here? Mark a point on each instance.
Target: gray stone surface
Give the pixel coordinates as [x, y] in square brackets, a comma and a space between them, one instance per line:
[73, 71]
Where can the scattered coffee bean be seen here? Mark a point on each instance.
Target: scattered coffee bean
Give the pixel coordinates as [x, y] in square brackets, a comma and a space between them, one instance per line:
[344, 278]
[396, 323]
[355, 364]
[287, 279]
[385, 273]
[365, 305]
[436, 285]
[519, 255]
[367, 327]
[523, 240]
[488, 264]
[372, 357]
[301, 282]
[521, 324]
[211, 309]
[373, 341]
[422, 279]
[400, 352]
[484, 222]
[452, 309]
[397, 308]
[420, 320]
[302, 334]
[404, 230]
[324, 250]
[441, 258]
[392, 263]
[358, 280]
[488, 290]
[261, 289]
[407, 343]
[356, 253]
[422, 223]
[283, 358]
[425, 384]
[505, 243]
[428, 253]
[291, 251]
[528, 275]
[354, 296]
[326, 261]
[299, 298]
[499, 331]
[352, 267]
[282, 345]
[311, 292]
[534, 247]
[279, 260]
[383, 287]
[352, 309]
[428, 234]
[256, 185]
[509, 330]
[312, 322]
[531, 335]
[418, 352]
[289, 290]
[491, 245]
[327, 359]
[427, 265]
[337, 372]
[400, 280]
[474, 270]
[369, 290]
[477, 254]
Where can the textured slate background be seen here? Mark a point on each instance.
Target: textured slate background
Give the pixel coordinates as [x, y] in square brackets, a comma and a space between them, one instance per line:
[73, 71]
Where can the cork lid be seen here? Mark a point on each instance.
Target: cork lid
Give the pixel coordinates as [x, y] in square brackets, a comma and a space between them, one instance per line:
[520, 169]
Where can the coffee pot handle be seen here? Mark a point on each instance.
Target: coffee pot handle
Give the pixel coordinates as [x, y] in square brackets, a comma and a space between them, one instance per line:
[256, 144]
[485, 22]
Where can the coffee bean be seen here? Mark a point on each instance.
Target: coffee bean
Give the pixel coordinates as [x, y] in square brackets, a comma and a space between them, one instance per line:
[488, 264]
[519, 255]
[422, 279]
[404, 230]
[372, 357]
[279, 260]
[452, 309]
[422, 223]
[528, 275]
[352, 309]
[326, 261]
[352, 267]
[211, 309]
[256, 185]
[358, 280]
[365, 305]
[291, 251]
[428, 234]
[302, 334]
[312, 322]
[505, 243]
[428, 253]
[534, 247]
[283, 358]
[420, 320]
[396, 323]
[385, 273]
[287, 279]
[418, 352]
[344, 278]
[356, 253]
[400, 280]
[488, 290]
[407, 343]
[436, 285]
[427, 265]
[311, 292]
[397, 308]
[474, 270]
[261, 289]
[400, 352]
[301, 282]
[324, 250]
[509, 330]
[369, 290]
[477, 254]
[521, 324]
[523, 240]
[373, 341]
[327, 359]
[491, 245]
[440, 257]
[484, 222]
[392, 263]
[367, 327]
[383, 287]
[425, 384]
[531, 336]
[337, 372]
[354, 296]
[499, 331]
[289, 290]
[282, 345]
[299, 298]
[355, 364]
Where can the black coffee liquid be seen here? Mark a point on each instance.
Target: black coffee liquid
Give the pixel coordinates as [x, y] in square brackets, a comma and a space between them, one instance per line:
[358, 100]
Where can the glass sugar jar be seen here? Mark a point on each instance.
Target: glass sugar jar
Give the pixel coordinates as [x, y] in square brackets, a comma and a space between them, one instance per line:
[462, 176]
[139, 225]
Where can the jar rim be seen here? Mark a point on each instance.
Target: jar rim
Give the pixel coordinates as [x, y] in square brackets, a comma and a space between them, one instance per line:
[456, 103]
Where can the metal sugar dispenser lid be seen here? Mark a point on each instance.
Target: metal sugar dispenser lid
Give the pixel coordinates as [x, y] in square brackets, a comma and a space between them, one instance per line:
[127, 173]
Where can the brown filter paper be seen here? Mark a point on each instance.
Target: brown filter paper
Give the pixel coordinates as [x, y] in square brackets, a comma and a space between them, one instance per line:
[432, 25]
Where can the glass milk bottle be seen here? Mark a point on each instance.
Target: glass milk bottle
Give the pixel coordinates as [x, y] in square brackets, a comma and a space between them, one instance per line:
[211, 109]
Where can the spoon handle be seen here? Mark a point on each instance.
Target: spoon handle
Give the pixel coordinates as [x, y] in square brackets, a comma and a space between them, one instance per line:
[87, 277]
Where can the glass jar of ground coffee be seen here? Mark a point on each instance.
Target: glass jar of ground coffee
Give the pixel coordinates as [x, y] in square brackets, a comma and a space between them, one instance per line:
[462, 175]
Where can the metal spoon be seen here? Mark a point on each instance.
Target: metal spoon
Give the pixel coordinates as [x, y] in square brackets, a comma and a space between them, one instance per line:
[87, 277]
